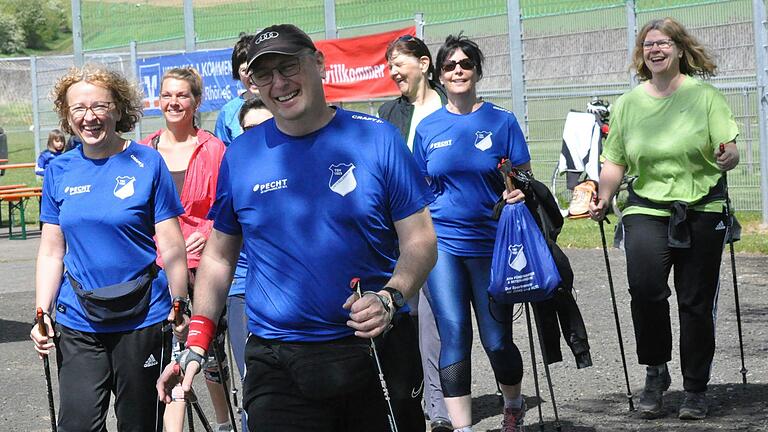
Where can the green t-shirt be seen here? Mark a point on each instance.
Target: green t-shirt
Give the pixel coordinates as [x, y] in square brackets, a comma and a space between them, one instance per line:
[668, 143]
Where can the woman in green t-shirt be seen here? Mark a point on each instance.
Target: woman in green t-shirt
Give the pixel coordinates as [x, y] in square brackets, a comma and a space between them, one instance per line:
[666, 135]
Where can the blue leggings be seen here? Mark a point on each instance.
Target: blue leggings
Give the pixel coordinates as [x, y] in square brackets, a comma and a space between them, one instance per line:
[454, 283]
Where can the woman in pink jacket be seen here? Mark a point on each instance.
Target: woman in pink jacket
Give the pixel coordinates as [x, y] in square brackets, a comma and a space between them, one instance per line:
[193, 156]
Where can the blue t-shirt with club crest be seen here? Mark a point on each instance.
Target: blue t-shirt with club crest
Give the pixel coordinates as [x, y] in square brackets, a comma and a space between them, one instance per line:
[459, 154]
[107, 210]
[316, 211]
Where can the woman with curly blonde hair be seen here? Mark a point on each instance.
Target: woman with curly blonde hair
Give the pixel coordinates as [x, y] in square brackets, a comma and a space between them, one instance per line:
[102, 204]
[675, 135]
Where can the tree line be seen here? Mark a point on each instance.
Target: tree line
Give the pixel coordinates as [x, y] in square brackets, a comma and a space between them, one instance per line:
[32, 24]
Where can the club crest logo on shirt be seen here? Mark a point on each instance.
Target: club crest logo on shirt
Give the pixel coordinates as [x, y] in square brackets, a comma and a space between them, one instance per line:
[342, 178]
[124, 187]
[517, 258]
[483, 140]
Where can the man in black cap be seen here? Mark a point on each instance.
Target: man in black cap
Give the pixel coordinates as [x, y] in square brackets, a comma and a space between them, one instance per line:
[319, 196]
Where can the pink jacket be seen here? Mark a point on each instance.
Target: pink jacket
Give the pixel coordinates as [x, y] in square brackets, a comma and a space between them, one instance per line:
[199, 190]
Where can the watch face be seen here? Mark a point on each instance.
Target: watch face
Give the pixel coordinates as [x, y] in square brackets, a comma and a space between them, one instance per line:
[397, 298]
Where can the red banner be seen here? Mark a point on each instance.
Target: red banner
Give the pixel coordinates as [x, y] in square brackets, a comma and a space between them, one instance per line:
[355, 68]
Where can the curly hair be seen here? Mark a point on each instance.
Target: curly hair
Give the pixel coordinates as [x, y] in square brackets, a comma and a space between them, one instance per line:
[126, 94]
[696, 60]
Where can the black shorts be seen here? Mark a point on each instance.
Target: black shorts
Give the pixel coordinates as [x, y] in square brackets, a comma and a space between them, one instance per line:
[92, 366]
[325, 386]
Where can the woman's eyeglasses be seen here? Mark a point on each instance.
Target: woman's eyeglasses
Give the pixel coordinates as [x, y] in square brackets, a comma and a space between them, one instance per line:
[99, 109]
[662, 44]
[466, 64]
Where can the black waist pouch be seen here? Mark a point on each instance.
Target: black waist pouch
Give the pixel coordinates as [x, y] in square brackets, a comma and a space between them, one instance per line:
[330, 369]
[116, 302]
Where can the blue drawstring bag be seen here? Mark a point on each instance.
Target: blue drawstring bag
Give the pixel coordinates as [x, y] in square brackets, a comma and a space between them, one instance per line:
[522, 269]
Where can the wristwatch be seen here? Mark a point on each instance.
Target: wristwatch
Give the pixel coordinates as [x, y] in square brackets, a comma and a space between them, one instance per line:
[397, 297]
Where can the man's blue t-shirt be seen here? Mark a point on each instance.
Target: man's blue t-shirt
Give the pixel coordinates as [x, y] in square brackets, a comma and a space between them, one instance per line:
[107, 210]
[460, 155]
[316, 211]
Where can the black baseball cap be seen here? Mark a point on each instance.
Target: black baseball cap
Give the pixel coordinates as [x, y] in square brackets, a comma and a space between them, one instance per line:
[286, 39]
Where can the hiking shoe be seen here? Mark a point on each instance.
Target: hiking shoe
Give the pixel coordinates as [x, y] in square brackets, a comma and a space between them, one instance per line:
[441, 425]
[651, 403]
[513, 419]
[694, 406]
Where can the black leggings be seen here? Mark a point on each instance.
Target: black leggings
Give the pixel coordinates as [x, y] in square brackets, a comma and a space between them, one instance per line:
[697, 273]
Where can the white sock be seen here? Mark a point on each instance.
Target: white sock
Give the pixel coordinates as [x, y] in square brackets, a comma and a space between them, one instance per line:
[464, 429]
[515, 403]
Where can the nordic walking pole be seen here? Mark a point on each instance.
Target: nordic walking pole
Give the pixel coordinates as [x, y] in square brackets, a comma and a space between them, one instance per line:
[615, 311]
[178, 318]
[533, 365]
[193, 402]
[220, 364]
[46, 365]
[354, 284]
[232, 377]
[729, 221]
[547, 374]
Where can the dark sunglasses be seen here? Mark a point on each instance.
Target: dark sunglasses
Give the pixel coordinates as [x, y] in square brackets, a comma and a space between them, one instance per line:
[466, 64]
[406, 38]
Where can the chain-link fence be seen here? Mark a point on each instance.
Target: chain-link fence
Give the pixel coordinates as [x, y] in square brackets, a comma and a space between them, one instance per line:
[571, 51]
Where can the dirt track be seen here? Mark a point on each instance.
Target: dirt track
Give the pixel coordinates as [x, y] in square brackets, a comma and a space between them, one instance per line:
[591, 399]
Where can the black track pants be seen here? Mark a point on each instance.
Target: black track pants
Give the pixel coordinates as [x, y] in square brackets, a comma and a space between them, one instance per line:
[94, 365]
[696, 278]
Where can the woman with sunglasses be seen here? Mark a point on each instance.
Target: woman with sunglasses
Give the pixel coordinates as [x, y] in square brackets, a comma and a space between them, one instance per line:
[102, 204]
[193, 156]
[458, 148]
[411, 68]
[676, 135]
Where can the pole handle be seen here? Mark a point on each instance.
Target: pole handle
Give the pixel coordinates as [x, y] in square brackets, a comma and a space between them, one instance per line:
[178, 318]
[40, 320]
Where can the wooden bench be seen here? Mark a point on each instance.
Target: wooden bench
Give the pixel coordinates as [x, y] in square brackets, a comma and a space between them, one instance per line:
[17, 199]
[13, 186]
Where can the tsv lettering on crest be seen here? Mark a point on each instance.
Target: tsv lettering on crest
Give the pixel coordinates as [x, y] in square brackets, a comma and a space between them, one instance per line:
[483, 140]
[124, 187]
[343, 179]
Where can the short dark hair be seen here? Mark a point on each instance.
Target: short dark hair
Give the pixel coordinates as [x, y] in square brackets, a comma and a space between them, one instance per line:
[240, 54]
[252, 103]
[414, 47]
[467, 46]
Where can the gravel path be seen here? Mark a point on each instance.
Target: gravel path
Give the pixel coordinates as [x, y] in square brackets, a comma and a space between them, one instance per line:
[591, 399]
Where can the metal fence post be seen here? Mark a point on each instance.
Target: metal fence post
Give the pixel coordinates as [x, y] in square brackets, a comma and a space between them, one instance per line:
[77, 33]
[331, 32]
[631, 34]
[189, 26]
[135, 75]
[517, 75]
[761, 66]
[35, 105]
[418, 17]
